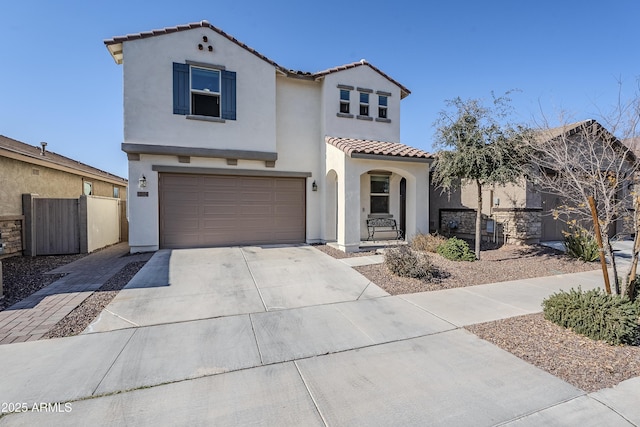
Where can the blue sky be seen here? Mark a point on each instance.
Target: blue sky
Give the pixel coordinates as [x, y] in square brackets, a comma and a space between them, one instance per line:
[59, 84]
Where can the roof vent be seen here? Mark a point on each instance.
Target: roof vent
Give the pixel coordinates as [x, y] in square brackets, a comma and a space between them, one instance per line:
[43, 148]
[363, 61]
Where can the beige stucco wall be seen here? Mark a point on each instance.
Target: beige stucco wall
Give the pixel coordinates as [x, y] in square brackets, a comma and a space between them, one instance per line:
[20, 177]
[103, 222]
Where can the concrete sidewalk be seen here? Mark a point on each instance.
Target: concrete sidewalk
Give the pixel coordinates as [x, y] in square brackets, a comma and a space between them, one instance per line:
[390, 360]
[34, 316]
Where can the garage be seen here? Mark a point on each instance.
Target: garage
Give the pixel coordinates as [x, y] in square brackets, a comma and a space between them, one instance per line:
[218, 210]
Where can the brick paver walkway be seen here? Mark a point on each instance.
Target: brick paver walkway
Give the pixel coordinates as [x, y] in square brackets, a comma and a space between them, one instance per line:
[34, 316]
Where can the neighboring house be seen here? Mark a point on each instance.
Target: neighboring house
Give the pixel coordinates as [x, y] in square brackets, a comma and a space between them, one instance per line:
[28, 169]
[229, 148]
[514, 213]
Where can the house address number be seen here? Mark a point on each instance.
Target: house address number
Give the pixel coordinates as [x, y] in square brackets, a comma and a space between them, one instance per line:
[143, 194]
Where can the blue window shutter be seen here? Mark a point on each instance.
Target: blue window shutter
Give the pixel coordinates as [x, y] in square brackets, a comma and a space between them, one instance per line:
[228, 95]
[180, 88]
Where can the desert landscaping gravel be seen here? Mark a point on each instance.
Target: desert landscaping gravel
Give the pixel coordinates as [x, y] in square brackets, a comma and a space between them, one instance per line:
[24, 275]
[587, 364]
[508, 262]
[78, 320]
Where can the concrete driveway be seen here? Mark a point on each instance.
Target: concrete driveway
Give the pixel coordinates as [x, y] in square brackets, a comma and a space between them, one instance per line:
[337, 356]
[192, 284]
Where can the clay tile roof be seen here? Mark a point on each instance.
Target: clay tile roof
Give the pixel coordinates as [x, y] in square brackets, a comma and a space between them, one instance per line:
[404, 92]
[54, 159]
[364, 148]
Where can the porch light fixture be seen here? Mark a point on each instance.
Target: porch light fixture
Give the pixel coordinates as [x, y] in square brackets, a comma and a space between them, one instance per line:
[142, 182]
[314, 186]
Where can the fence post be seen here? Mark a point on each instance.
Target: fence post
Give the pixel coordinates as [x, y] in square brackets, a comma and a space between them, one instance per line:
[83, 224]
[29, 224]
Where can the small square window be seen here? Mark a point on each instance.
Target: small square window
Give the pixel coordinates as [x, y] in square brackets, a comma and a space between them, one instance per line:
[364, 98]
[382, 101]
[205, 105]
[205, 80]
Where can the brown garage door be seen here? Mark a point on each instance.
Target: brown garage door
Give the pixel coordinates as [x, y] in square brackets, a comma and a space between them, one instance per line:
[213, 210]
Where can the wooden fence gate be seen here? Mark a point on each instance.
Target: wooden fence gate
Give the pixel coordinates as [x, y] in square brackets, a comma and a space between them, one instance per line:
[56, 226]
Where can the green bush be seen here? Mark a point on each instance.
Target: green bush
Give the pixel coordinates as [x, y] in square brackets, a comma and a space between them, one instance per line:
[427, 242]
[595, 314]
[581, 244]
[405, 262]
[456, 250]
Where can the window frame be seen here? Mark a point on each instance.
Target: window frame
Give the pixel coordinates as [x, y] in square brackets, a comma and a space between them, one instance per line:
[192, 91]
[116, 192]
[182, 98]
[364, 105]
[383, 107]
[373, 194]
[345, 102]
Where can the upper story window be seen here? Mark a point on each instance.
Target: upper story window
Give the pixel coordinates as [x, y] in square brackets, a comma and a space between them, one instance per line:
[382, 106]
[203, 92]
[364, 104]
[116, 192]
[344, 101]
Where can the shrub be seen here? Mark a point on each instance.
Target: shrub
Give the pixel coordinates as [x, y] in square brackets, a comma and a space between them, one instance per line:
[595, 314]
[405, 262]
[427, 242]
[581, 244]
[456, 250]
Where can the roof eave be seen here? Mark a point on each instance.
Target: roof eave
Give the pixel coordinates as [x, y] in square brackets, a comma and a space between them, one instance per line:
[390, 158]
[115, 49]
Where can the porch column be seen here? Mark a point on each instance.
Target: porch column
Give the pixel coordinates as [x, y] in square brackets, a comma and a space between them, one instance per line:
[349, 211]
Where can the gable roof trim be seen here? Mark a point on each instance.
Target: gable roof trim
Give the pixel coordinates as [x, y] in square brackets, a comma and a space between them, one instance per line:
[404, 92]
[114, 45]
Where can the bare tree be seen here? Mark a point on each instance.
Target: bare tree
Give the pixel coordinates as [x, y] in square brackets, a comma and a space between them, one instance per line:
[586, 159]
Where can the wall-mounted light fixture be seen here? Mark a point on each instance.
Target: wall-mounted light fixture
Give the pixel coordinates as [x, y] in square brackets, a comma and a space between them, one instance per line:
[142, 182]
[314, 186]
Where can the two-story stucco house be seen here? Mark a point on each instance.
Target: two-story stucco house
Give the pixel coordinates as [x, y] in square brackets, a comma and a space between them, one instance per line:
[229, 148]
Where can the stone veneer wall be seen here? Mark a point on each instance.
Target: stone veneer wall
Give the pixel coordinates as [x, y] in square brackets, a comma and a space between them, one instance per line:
[521, 226]
[11, 235]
